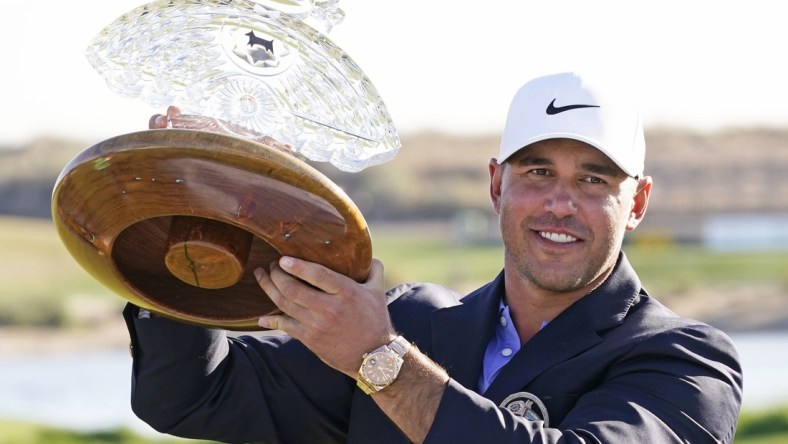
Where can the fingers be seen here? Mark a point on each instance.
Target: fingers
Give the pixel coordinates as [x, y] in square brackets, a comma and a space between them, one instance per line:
[158, 121]
[308, 294]
[278, 322]
[173, 111]
[285, 321]
[376, 275]
[336, 317]
[323, 281]
[314, 274]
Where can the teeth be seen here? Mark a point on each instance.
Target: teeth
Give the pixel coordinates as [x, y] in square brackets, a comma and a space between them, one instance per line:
[555, 237]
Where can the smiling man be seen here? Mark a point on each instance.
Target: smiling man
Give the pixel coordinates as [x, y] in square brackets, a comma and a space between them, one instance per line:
[564, 208]
[565, 345]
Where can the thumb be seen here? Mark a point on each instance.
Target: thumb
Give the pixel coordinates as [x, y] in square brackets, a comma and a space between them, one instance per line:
[376, 274]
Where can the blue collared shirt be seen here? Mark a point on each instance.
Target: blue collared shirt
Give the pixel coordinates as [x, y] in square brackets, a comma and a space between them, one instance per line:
[504, 344]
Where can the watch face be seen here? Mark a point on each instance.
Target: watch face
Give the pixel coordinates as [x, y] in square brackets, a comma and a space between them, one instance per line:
[380, 368]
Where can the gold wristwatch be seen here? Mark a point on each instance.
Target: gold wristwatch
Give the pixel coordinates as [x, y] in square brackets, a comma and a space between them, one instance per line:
[381, 366]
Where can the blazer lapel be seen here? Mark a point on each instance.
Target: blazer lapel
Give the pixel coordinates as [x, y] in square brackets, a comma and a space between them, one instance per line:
[551, 346]
[570, 333]
[461, 333]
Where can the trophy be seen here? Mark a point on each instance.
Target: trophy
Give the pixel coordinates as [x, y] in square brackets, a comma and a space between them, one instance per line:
[176, 219]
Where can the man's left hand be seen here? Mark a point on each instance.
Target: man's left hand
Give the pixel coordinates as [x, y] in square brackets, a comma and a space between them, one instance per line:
[336, 317]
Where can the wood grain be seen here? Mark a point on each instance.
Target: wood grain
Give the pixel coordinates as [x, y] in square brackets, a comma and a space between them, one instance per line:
[115, 202]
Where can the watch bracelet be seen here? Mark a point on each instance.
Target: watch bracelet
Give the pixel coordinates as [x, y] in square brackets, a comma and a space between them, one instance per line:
[400, 346]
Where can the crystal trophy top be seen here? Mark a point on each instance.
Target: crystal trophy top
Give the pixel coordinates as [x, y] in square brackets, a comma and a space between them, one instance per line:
[256, 66]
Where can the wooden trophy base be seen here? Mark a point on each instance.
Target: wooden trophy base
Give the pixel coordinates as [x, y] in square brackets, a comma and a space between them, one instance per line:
[176, 221]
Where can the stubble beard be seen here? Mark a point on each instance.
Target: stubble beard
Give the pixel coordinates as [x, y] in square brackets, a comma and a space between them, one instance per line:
[546, 281]
[569, 278]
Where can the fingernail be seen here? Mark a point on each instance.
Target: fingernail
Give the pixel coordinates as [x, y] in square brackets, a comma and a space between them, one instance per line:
[258, 274]
[263, 322]
[286, 262]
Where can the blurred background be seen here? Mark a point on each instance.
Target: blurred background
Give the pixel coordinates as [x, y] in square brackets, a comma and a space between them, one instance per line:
[709, 77]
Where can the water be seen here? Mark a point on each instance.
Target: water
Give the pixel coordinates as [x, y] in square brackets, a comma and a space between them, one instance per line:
[91, 390]
[765, 364]
[84, 391]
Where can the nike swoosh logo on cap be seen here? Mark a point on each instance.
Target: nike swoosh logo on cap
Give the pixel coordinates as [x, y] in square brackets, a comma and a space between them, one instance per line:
[552, 109]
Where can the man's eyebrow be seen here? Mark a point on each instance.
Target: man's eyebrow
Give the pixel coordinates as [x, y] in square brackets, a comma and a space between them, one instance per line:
[601, 169]
[532, 160]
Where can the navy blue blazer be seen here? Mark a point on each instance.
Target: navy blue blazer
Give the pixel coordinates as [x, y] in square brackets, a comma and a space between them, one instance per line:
[615, 367]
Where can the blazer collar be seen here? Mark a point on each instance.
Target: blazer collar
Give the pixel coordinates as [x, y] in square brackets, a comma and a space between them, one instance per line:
[461, 333]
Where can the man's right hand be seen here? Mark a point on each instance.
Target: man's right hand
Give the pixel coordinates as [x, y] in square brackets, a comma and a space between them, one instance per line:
[174, 119]
[158, 121]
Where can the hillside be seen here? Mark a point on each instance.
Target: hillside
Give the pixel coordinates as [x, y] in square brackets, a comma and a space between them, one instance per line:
[437, 176]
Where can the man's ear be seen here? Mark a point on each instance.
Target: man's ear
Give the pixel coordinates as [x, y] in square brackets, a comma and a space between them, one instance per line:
[496, 172]
[640, 202]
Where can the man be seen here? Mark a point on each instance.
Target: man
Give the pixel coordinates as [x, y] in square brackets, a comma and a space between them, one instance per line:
[563, 346]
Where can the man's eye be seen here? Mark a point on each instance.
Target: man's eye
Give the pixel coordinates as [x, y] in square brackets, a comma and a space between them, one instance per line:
[540, 172]
[593, 179]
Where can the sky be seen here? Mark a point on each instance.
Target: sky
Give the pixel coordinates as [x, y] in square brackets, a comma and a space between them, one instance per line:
[445, 65]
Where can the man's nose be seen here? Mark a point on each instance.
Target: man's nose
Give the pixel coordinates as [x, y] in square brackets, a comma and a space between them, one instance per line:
[562, 200]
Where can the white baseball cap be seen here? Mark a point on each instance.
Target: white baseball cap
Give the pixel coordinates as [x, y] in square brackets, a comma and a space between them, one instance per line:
[568, 105]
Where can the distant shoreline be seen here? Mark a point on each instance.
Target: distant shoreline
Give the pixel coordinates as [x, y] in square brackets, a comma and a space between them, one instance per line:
[31, 340]
[20, 341]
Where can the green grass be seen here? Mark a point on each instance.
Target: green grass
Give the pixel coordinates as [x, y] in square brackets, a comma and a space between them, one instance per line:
[432, 256]
[694, 266]
[779, 438]
[763, 426]
[44, 286]
[14, 432]
[756, 427]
